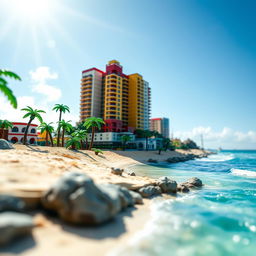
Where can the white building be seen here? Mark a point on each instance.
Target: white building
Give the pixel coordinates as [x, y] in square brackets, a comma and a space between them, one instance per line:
[110, 136]
[153, 144]
[16, 133]
[91, 93]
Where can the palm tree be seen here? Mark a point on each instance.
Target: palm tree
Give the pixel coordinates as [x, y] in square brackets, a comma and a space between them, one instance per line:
[144, 134]
[5, 89]
[4, 125]
[93, 123]
[32, 114]
[73, 142]
[81, 135]
[49, 129]
[65, 126]
[62, 109]
[125, 139]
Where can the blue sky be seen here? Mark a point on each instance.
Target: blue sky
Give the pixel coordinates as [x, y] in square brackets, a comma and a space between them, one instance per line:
[198, 56]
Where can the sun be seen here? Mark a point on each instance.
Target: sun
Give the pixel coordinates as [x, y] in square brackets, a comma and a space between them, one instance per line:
[31, 11]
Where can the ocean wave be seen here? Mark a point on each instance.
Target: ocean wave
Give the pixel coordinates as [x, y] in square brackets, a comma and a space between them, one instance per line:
[217, 158]
[240, 172]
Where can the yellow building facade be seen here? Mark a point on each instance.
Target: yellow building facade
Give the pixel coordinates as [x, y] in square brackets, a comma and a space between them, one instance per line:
[123, 97]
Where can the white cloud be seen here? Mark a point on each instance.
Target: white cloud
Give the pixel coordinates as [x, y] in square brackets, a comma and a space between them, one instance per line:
[16, 115]
[39, 78]
[226, 138]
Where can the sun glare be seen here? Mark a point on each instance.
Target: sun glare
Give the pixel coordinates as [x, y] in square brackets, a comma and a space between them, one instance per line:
[31, 10]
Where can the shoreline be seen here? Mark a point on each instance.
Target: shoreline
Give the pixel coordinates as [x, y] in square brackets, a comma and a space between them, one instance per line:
[31, 170]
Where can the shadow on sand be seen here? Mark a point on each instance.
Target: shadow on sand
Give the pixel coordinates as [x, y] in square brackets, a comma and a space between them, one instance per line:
[34, 149]
[19, 245]
[111, 229]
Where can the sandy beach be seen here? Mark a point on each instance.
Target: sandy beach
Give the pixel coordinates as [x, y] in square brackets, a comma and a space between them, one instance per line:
[28, 170]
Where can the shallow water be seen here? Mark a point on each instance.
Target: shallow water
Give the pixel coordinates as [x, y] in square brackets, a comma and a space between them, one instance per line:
[219, 219]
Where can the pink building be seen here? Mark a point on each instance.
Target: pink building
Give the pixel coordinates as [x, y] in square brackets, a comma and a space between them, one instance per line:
[16, 133]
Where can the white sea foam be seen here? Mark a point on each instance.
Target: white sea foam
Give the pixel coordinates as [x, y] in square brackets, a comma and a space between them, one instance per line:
[217, 158]
[240, 172]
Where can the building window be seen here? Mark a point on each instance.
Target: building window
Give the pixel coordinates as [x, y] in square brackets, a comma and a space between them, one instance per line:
[15, 129]
[14, 140]
[23, 129]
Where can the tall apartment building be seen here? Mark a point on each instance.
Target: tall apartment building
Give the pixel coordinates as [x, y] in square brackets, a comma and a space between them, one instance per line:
[160, 125]
[123, 101]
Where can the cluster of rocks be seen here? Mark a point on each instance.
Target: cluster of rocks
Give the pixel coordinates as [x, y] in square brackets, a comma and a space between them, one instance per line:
[183, 158]
[154, 161]
[78, 200]
[167, 185]
[118, 171]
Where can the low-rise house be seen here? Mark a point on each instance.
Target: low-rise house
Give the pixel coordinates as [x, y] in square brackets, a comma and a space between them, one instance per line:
[16, 133]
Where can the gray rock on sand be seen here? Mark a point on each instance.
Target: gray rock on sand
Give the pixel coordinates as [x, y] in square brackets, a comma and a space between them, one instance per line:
[14, 225]
[117, 171]
[182, 188]
[78, 200]
[137, 198]
[149, 191]
[11, 203]
[131, 173]
[193, 183]
[167, 185]
[127, 197]
[4, 144]
[150, 160]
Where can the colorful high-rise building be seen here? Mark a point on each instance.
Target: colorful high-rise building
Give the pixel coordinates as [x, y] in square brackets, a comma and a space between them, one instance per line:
[160, 125]
[123, 101]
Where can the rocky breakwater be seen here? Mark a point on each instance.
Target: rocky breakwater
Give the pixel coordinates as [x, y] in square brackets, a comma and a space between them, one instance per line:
[186, 157]
[169, 186]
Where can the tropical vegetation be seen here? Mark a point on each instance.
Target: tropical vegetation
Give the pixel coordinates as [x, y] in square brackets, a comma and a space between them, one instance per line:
[93, 123]
[125, 139]
[97, 151]
[4, 86]
[48, 129]
[62, 109]
[4, 126]
[32, 114]
[81, 135]
[66, 126]
[73, 143]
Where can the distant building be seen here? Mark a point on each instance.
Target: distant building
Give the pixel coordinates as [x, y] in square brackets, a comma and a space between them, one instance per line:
[123, 101]
[160, 125]
[110, 139]
[16, 133]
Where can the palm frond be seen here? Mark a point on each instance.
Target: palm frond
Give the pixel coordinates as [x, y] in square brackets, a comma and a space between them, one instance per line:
[8, 93]
[9, 74]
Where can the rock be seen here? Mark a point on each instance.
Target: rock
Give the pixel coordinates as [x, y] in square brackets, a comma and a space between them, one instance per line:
[78, 200]
[182, 188]
[149, 191]
[150, 160]
[131, 173]
[167, 185]
[13, 225]
[137, 198]
[114, 193]
[4, 144]
[193, 183]
[117, 171]
[11, 203]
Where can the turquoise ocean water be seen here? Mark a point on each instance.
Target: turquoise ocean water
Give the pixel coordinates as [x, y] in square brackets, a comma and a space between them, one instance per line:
[219, 219]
